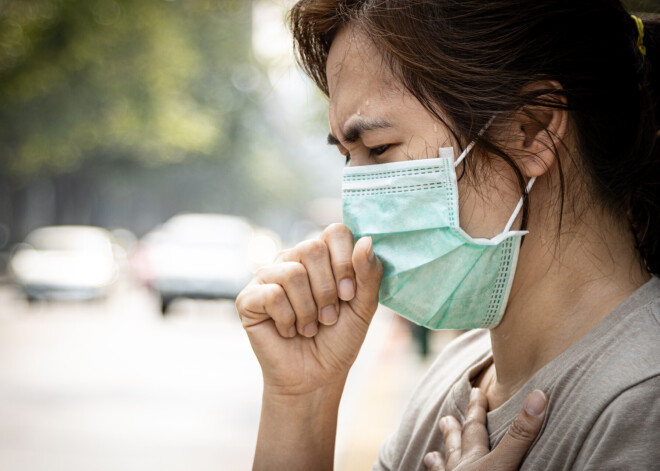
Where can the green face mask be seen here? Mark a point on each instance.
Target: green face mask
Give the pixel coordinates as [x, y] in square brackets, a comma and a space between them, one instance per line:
[435, 274]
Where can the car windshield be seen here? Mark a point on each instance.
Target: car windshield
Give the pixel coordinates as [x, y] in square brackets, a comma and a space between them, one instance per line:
[69, 239]
[208, 230]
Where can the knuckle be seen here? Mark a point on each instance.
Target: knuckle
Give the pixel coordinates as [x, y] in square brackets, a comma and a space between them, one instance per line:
[242, 299]
[240, 302]
[453, 430]
[276, 296]
[327, 291]
[283, 255]
[261, 271]
[451, 424]
[342, 268]
[285, 318]
[472, 425]
[286, 255]
[288, 318]
[315, 248]
[337, 229]
[245, 323]
[295, 273]
[453, 453]
[521, 431]
[307, 312]
[477, 453]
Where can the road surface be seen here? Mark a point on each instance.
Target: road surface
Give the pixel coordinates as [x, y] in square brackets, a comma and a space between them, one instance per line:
[114, 386]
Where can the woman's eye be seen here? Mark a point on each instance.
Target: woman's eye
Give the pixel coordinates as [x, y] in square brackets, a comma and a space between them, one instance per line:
[380, 150]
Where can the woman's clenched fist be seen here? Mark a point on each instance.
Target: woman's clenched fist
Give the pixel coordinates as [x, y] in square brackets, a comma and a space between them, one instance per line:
[307, 314]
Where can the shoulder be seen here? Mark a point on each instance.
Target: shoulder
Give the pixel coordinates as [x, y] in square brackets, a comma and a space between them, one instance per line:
[620, 352]
[628, 354]
[618, 360]
[627, 433]
[603, 393]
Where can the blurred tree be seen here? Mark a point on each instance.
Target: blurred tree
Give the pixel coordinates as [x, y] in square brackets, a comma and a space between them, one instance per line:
[132, 79]
[97, 91]
[123, 112]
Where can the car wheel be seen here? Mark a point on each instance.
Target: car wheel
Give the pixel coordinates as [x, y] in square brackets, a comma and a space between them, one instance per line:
[165, 302]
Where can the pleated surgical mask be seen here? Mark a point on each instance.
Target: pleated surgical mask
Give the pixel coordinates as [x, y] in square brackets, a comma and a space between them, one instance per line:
[435, 274]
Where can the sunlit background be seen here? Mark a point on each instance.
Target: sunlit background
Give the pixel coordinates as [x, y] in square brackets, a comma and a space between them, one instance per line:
[153, 154]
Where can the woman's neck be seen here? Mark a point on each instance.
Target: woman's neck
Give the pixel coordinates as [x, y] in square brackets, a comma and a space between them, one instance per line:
[560, 292]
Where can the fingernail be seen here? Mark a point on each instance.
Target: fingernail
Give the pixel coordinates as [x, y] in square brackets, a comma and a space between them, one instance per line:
[328, 315]
[346, 289]
[474, 394]
[535, 403]
[370, 253]
[430, 460]
[292, 331]
[311, 329]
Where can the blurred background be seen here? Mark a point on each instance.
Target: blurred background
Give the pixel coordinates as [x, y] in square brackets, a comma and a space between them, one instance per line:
[153, 154]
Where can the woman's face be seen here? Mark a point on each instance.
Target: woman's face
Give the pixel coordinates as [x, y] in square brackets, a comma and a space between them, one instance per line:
[375, 120]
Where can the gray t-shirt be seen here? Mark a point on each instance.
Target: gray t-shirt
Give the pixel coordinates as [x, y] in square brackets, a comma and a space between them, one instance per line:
[604, 409]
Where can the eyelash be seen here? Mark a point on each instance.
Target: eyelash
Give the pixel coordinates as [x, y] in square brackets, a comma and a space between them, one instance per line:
[373, 152]
[380, 150]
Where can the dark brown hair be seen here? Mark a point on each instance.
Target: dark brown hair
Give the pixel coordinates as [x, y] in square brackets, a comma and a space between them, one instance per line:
[472, 59]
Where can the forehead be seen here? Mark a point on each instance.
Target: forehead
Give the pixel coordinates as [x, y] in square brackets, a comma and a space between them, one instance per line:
[353, 54]
[358, 76]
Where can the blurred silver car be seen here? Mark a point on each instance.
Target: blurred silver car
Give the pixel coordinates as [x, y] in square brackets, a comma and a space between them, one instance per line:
[65, 262]
[199, 256]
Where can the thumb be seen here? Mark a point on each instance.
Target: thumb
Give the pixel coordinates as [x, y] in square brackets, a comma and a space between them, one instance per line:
[368, 274]
[521, 434]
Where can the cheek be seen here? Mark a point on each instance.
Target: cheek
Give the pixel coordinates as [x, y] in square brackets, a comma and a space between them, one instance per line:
[486, 202]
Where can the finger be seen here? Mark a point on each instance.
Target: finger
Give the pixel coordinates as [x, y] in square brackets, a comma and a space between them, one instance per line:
[339, 240]
[368, 275]
[521, 434]
[434, 461]
[315, 256]
[475, 442]
[293, 277]
[451, 430]
[260, 303]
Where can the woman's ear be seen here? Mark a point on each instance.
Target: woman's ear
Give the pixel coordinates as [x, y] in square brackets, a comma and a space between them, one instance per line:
[539, 129]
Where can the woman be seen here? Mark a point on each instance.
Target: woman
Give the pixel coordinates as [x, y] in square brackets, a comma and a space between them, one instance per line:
[547, 238]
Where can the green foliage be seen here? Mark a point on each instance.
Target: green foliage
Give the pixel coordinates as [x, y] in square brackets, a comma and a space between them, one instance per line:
[151, 82]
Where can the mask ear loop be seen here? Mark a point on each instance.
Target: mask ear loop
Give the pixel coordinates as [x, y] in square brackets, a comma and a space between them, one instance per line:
[519, 206]
[464, 153]
[471, 144]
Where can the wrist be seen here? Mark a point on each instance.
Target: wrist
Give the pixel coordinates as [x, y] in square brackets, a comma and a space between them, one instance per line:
[303, 398]
[297, 431]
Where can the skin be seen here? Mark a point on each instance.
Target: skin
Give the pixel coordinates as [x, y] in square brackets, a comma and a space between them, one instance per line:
[593, 269]
[306, 315]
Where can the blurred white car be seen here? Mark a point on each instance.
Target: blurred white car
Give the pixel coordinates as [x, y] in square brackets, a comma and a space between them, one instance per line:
[201, 256]
[65, 262]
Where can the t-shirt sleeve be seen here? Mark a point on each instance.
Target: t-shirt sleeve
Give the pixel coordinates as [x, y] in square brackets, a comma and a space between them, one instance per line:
[627, 433]
[384, 461]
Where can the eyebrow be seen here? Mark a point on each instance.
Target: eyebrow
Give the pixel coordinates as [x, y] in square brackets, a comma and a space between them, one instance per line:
[354, 131]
